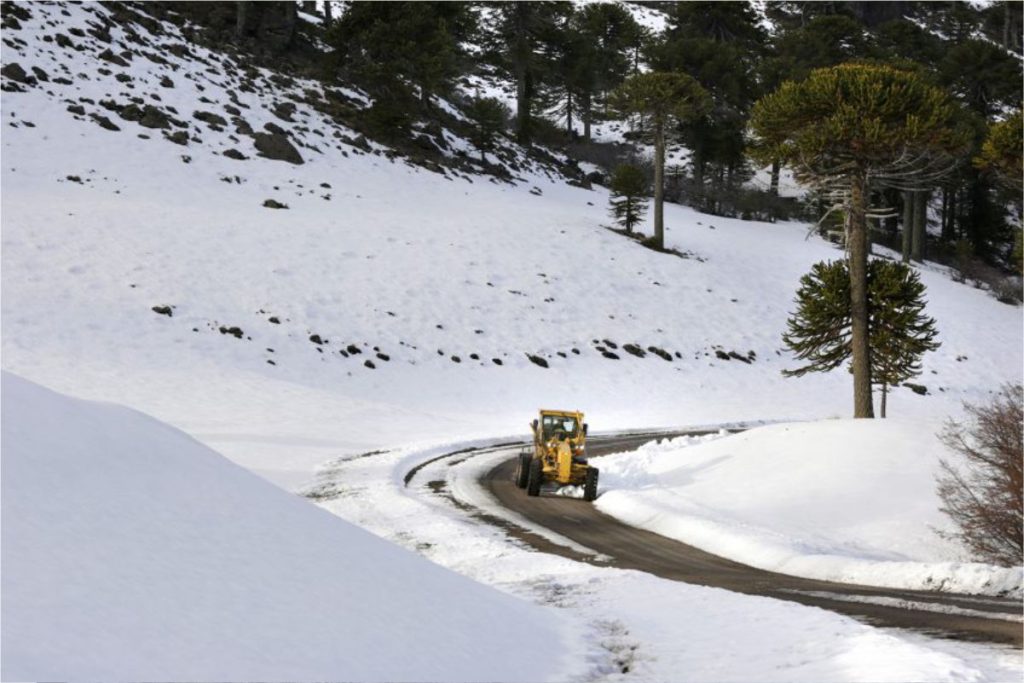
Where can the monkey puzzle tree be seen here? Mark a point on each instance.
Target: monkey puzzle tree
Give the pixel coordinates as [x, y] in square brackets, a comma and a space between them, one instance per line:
[662, 101]
[846, 130]
[628, 196]
[819, 331]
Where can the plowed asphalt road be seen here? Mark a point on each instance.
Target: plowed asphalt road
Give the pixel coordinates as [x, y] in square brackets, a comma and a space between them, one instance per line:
[965, 617]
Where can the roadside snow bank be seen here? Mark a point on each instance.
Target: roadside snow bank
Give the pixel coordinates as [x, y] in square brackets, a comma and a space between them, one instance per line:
[132, 552]
[844, 500]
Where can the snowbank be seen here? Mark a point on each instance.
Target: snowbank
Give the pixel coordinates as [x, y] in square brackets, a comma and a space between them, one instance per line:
[132, 552]
[842, 500]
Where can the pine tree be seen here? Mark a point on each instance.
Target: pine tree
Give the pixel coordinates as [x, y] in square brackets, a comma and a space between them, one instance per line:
[820, 330]
[628, 198]
[662, 101]
[488, 116]
[844, 126]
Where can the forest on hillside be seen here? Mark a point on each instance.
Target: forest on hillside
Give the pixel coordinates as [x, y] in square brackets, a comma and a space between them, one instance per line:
[562, 62]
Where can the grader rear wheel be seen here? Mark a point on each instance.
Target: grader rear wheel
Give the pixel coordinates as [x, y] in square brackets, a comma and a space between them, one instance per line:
[590, 484]
[533, 481]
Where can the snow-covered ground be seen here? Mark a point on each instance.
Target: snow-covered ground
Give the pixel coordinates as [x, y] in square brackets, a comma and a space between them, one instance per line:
[133, 552]
[390, 308]
[840, 500]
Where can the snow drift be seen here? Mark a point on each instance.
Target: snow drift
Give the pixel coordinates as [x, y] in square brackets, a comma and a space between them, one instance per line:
[132, 552]
[841, 500]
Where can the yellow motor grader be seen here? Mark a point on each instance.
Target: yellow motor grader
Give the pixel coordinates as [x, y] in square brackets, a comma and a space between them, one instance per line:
[558, 455]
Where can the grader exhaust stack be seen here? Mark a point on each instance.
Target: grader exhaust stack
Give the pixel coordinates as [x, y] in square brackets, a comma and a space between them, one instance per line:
[558, 455]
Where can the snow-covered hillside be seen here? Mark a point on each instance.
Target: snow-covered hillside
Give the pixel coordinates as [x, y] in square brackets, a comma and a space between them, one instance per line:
[132, 552]
[444, 285]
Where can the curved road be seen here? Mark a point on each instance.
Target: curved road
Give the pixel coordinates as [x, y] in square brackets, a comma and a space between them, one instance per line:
[943, 614]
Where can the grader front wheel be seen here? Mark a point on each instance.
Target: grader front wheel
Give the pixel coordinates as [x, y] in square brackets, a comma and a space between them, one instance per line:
[523, 470]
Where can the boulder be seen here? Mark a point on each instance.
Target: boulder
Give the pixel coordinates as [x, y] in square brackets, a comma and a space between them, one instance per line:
[276, 146]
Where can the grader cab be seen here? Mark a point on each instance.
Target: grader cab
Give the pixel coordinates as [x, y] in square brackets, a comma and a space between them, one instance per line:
[558, 455]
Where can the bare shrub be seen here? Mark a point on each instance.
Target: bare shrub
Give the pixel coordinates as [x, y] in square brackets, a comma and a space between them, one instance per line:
[982, 492]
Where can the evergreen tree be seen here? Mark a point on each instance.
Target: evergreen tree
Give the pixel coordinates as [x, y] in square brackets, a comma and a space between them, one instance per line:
[628, 198]
[820, 330]
[843, 126]
[900, 333]
[488, 116]
[662, 101]
[388, 45]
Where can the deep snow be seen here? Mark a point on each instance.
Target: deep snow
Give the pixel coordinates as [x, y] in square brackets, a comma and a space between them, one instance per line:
[839, 500]
[133, 552]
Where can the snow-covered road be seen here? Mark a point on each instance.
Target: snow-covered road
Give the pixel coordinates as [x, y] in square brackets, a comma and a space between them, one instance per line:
[432, 500]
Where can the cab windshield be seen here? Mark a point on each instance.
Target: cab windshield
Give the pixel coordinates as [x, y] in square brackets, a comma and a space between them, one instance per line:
[555, 425]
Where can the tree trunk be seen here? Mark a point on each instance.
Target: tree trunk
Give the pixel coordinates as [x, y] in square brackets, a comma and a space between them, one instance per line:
[568, 113]
[885, 390]
[241, 18]
[520, 59]
[585, 106]
[659, 189]
[773, 188]
[309, 6]
[908, 224]
[917, 246]
[327, 13]
[857, 234]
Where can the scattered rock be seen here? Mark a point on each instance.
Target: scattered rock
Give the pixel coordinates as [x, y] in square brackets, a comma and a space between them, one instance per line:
[537, 360]
[104, 122]
[178, 137]
[276, 146]
[234, 154]
[919, 389]
[274, 319]
[166, 82]
[210, 118]
[235, 332]
[284, 111]
[662, 353]
[315, 338]
[369, 363]
[456, 359]
[163, 310]
[497, 361]
[40, 74]
[634, 350]
[610, 355]
[274, 204]
[353, 349]
[76, 109]
[109, 56]
[721, 354]
[384, 357]
[14, 72]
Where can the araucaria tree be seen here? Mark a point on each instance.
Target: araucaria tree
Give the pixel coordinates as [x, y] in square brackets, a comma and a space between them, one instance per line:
[820, 330]
[628, 198]
[850, 129]
[662, 101]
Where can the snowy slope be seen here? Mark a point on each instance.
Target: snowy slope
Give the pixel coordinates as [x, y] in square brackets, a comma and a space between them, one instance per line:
[840, 500]
[424, 269]
[132, 552]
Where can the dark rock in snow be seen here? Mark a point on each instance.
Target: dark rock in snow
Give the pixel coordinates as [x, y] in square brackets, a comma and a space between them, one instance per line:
[274, 319]
[235, 332]
[384, 357]
[609, 355]
[210, 118]
[634, 350]
[721, 354]
[369, 363]
[660, 352]
[234, 154]
[40, 74]
[919, 389]
[178, 137]
[109, 56]
[104, 122]
[316, 339]
[274, 204]
[537, 360]
[14, 72]
[277, 147]
[497, 361]
[163, 310]
[353, 349]
[76, 109]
